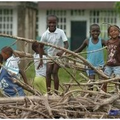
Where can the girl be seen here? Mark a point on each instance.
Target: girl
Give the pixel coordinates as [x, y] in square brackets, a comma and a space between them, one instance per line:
[113, 47]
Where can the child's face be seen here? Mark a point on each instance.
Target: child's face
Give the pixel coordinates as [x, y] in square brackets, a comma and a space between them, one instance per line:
[5, 56]
[114, 32]
[37, 50]
[52, 23]
[95, 31]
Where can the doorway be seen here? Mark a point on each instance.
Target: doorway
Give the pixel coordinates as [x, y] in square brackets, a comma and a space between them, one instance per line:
[78, 33]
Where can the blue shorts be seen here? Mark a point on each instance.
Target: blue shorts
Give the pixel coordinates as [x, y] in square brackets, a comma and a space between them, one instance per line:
[90, 72]
[15, 94]
[21, 93]
[109, 70]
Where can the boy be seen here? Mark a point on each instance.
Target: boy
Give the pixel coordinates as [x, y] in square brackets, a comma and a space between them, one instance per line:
[40, 74]
[12, 62]
[9, 88]
[56, 37]
[93, 43]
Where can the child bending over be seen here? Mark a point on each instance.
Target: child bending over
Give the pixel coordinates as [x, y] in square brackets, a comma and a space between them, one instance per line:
[40, 73]
[11, 62]
[8, 87]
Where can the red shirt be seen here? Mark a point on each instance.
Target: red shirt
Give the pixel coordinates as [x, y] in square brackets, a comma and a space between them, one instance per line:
[113, 48]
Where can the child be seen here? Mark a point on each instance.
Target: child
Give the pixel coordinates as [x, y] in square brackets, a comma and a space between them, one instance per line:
[113, 47]
[9, 88]
[40, 78]
[12, 62]
[56, 37]
[93, 43]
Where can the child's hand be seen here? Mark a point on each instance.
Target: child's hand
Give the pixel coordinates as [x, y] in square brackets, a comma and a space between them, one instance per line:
[60, 53]
[40, 64]
[67, 54]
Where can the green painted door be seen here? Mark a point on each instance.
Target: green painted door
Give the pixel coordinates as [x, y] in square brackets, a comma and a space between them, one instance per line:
[78, 33]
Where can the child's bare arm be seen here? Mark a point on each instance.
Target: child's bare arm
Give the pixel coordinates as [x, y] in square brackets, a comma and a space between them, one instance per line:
[84, 44]
[66, 45]
[104, 42]
[41, 52]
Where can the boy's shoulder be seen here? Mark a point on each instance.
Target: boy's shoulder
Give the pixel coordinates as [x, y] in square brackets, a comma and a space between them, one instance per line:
[13, 58]
[10, 58]
[58, 30]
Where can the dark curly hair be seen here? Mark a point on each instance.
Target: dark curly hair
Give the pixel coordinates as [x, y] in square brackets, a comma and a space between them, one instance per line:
[35, 45]
[113, 26]
[7, 50]
[1, 59]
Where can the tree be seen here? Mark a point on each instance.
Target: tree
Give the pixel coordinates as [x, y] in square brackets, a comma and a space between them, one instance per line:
[117, 6]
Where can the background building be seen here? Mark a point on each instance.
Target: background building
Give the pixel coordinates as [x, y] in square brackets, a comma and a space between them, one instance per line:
[17, 19]
[28, 19]
[76, 17]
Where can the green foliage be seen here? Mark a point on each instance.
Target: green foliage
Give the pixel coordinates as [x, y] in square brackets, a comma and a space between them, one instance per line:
[117, 6]
[30, 73]
[66, 77]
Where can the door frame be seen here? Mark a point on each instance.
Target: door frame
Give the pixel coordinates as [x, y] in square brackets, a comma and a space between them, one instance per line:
[79, 18]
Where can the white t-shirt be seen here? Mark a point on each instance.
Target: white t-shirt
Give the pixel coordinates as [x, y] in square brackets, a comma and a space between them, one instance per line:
[42, 70]
[12, 64]
[56, 38]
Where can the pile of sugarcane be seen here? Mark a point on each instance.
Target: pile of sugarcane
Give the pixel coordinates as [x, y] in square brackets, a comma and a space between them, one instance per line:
[70, 103]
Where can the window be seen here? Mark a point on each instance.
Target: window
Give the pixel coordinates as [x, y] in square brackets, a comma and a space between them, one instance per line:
[77, 12]
[37, 24]
[103, 18]
[61, 14]
[6, 21]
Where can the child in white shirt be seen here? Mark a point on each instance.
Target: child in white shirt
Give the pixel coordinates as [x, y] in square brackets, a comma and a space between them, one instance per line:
[40, 73]
[11, 63]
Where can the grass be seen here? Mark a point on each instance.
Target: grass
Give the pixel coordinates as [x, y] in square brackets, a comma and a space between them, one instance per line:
[64, 77]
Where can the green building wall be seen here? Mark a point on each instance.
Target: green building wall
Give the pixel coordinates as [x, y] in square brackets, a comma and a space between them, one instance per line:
[5, 41]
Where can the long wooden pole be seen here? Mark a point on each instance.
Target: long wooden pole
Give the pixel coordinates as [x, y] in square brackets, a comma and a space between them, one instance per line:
[60, 48]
